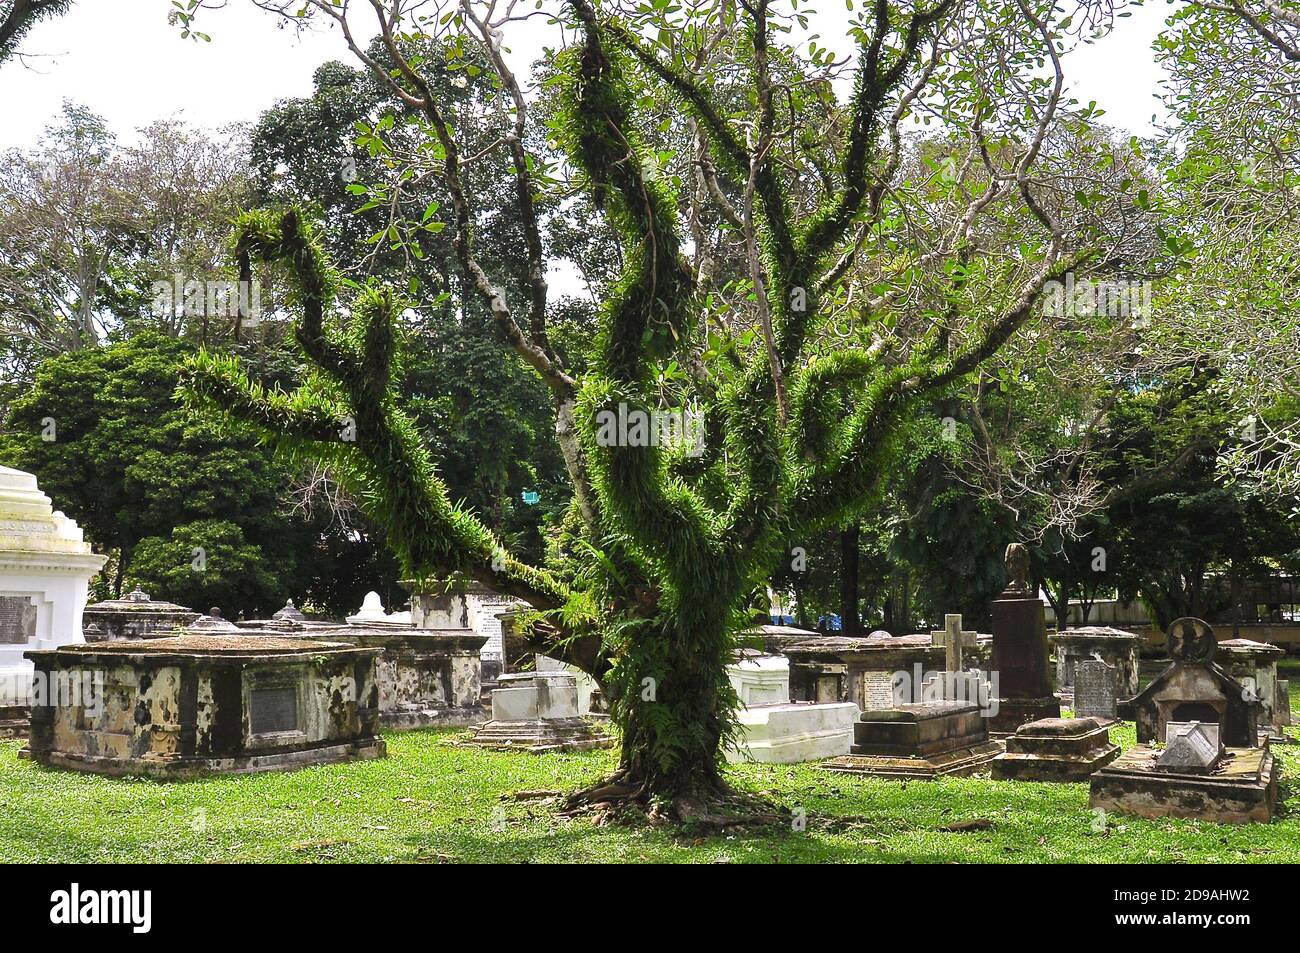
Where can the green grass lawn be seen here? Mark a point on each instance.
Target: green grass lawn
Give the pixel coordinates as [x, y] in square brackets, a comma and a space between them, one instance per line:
[431, 801]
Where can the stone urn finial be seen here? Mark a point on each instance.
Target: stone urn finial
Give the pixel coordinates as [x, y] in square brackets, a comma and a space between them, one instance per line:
[1016, 559]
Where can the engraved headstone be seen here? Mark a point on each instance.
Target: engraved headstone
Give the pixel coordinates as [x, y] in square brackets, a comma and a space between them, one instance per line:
[1094, 690]
[17, 620]
[272, 710]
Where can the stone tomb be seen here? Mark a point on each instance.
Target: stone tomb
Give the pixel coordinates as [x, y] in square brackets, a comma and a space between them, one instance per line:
[426, 677]
[1217, 770]
[1095, 690]
[875, 672]
[135, 617]
[775, 730]
[1116, 647]
[1020, 650]
[1056, 749]
[195, 705]
[538, 712]
[1254, 664]
[919, 742]
[45, 568]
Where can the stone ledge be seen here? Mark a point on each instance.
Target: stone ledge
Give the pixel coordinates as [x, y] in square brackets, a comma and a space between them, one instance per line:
[182, 768]
[541, 736]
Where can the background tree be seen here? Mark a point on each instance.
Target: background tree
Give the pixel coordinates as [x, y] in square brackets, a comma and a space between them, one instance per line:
[191, 513]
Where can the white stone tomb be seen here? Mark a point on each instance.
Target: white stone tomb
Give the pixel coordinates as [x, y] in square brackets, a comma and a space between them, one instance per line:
[45, 568]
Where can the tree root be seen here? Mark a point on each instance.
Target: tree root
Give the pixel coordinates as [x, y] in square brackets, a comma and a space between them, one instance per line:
[713, 806]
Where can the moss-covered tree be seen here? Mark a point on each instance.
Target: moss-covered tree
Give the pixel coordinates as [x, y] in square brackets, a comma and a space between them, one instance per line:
[803, 368]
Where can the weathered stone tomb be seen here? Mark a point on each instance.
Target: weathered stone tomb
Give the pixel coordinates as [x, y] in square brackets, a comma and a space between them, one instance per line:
[196, 705]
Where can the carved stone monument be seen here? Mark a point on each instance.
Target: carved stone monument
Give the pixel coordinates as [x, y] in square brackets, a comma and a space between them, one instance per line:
[1213, 766]
[1020, 650]
[45, 567]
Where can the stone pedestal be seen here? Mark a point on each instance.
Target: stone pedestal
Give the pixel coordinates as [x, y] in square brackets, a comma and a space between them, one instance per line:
[919, 742]
[1116, 647]
[1056, 749]
[197, 705]
[538, 712]
[1020, 662]
[1254, 665]
[45, 567]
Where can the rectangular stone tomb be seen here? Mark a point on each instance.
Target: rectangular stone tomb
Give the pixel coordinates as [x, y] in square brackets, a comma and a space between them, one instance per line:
[921, 742]
[1056, 749]
[791, 733]
[538, 712]
[427, 677]
[198, 705]
[1241, 788]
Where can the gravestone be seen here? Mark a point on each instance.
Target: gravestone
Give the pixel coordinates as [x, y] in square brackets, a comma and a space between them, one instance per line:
[1020, 650]
[538, 712]
[193, 705]
[1056, 749]
[1094, 690]
[134, 617]
[1115, 647]
[953, 640]
[918, 742]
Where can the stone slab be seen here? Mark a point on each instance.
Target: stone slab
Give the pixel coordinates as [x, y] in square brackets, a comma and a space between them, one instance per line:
[922, 730]
[954, 763]
[792, 733]
[541, 737]
[176, 769]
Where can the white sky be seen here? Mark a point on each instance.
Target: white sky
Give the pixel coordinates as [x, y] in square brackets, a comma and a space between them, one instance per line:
[123, 60]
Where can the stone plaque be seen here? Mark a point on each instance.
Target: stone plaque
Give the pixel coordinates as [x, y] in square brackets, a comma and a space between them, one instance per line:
[1094, 689]
[17, 620]
[272, 710]
[878, 691]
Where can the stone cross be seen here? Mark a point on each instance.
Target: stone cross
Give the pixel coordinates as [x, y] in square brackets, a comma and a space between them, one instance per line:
[953, 639]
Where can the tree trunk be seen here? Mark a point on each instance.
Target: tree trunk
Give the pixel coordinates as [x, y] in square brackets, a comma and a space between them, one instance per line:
[850, 624]
[675, 705]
